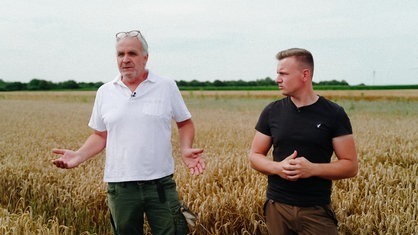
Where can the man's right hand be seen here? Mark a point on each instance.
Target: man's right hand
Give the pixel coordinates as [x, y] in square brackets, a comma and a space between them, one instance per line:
[69, 159]
[288, 172]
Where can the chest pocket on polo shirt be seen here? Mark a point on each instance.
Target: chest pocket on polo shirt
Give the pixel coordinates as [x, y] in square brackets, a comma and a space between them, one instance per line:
[153, 107]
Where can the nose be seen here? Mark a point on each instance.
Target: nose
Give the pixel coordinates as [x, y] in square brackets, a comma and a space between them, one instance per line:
[279, 79]
[125, 58]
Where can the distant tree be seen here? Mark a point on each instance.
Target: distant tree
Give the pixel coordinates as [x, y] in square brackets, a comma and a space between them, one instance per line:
[98, 84]
[182, 83]
[38, 84]
[218, 83]
[2, 85]
[252, 83]
[266, 82]
[70, 84]
[196, 83]
[15, 86]
[241, 83]
[333, 82]
[89, 85]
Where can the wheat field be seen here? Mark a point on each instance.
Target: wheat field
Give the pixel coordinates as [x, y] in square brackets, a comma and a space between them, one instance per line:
[37, 198]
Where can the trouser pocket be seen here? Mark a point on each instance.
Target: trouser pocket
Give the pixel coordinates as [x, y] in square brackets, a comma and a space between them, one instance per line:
[330, 212]
[167, 193]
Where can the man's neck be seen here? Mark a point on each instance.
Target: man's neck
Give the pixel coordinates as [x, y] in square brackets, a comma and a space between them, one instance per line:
[132, 84]
[304, 99]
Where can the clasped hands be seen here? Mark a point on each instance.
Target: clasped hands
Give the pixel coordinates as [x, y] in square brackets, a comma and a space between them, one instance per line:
[294, 168]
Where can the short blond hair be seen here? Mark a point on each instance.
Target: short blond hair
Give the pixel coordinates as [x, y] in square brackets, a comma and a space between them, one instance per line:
[303, 56]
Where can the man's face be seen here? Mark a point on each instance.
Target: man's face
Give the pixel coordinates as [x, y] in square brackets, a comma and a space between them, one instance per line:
[289, 75]
[130, 58]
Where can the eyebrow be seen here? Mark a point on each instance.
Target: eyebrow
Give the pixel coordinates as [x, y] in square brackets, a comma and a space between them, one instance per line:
[131, 52]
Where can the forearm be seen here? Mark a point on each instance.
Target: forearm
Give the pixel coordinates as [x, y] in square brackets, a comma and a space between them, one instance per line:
[263, 164]
[339, 169]
[186, 134]
[94, 144]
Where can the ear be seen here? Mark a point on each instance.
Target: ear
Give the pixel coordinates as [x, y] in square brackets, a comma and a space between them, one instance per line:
[146, 59]
[306, 74]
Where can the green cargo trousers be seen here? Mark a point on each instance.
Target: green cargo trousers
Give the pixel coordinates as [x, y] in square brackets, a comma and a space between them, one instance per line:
[157, 199]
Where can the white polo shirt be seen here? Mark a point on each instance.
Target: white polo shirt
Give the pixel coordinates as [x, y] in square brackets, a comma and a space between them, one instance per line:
[138, 128]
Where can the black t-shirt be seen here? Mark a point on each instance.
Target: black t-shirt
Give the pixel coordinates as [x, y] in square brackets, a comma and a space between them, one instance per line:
[309, 130]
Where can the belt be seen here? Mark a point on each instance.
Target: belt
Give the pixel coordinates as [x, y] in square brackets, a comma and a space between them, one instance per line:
[157, 182]
[139, 182]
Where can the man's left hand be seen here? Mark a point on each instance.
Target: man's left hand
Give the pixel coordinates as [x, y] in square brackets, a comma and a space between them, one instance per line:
[192, 157]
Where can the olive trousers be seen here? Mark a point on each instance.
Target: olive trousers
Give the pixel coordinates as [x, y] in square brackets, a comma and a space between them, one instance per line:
[157, 199]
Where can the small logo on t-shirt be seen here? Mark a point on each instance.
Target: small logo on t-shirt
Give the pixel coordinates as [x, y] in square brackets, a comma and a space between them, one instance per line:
[318, 125]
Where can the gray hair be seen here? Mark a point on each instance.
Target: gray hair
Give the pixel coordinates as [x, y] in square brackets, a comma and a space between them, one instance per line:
[131, 34]
[143, 43]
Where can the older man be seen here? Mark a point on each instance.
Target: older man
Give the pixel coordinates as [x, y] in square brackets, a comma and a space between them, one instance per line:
[131, 118]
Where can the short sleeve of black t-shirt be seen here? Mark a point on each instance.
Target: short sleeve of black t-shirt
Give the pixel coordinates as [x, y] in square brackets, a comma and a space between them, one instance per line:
[262, 124]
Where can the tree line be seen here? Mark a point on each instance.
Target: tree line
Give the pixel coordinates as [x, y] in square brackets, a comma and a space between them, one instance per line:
[43, 85]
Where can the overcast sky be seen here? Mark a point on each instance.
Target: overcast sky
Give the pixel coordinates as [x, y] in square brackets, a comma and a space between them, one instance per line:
[370, 42]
